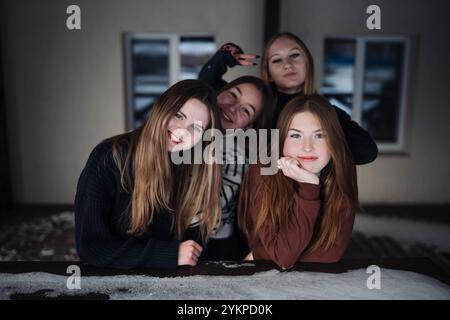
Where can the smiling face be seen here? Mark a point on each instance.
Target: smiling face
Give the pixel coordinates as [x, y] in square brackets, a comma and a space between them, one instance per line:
[186, 127]
[287, 64]
[306, 142]
[239, 106]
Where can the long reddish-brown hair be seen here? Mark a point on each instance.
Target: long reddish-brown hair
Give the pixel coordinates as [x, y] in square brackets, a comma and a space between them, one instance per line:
[149, 175]
[273, 194]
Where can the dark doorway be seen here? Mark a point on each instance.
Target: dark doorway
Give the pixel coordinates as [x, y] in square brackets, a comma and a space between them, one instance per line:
[5, 182]
[271, 18]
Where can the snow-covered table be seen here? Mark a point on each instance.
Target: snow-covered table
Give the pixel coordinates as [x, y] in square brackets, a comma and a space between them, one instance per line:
[349, 279]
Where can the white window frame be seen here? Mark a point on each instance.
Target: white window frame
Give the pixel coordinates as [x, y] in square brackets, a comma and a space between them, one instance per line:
[360, 53]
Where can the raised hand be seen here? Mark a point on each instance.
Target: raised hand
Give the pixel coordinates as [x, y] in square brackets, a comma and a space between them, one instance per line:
[291, 168]
[239, 55]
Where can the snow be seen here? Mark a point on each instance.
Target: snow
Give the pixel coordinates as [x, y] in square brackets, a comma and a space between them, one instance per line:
[272, 284]
[232, 265]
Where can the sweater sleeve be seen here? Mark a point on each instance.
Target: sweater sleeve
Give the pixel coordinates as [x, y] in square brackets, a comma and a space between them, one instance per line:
[361, 144]
[213, 71]
[96, 243]
[335, 253]
[284, 248]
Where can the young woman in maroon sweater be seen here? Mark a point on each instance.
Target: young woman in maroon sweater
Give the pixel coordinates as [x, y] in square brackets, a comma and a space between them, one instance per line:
[307, 209]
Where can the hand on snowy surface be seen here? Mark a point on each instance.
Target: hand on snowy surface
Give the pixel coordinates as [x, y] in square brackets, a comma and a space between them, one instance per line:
[239, 56]
[188, 253]
[249, 257]
[291, 168]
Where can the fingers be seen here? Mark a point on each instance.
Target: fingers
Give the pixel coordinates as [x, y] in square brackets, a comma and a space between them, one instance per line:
[232, 49]
[289, 167]
[292, 161]
[242, 58]
[189, 261]
[189, 252]
[282, 166]
[246, 59]
[248, 56]
[197, 246]
[196, 253]
[191, 243]
[192, 258]
[231, 46]
[194, 248]
[285, 165]
[289, 162]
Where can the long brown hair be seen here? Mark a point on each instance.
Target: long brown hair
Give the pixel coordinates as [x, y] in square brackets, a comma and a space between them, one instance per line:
[308, 86]
[274, 194]
[264, 120]
[148, 174]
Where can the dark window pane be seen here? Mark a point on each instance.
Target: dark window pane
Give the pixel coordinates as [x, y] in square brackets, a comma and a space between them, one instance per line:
[150, 69]
[382, 89]
[195, 52]
[141, 106]
[150, 65]
[339, 72]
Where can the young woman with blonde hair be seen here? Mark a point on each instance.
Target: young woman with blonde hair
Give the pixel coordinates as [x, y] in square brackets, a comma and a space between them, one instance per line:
[134, 207]
[306, 211]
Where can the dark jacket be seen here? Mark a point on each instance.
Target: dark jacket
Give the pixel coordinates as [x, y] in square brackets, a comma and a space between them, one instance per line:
[102, 220]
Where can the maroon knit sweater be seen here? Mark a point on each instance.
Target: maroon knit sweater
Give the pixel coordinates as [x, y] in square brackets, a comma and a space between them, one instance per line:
[288, 246]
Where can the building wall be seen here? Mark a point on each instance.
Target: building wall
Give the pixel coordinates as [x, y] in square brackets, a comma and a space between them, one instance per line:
[421, 174]
[65, 90]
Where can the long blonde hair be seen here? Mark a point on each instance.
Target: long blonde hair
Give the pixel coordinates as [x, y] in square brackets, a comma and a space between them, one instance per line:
[148, 174]
[273, 195]
[308, 85]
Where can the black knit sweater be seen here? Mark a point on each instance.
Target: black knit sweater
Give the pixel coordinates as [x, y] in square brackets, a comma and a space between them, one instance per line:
[102, 221]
